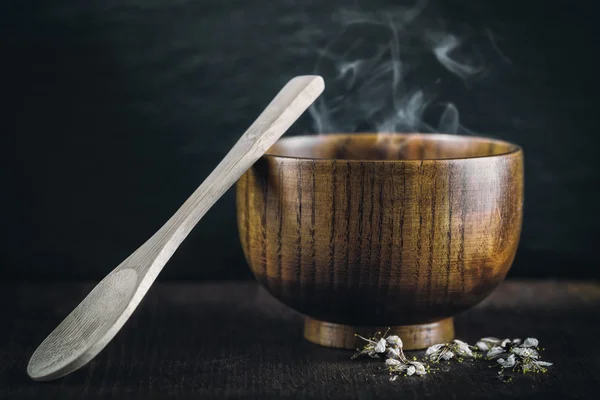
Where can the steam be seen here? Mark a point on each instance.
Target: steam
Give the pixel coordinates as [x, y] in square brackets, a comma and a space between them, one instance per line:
[445, 46]
[383, 71]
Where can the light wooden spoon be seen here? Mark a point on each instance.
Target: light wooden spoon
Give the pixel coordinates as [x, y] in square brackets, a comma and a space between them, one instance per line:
[98, 318]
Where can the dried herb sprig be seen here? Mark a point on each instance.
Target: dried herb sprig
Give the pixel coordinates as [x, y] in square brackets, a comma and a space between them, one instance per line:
[406, 368]
[376, 345]
[523, 358]
[494, 347]
[396, 361]
[446, 351]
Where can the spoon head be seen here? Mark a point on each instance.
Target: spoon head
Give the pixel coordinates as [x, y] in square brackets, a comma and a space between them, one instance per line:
[89, 327]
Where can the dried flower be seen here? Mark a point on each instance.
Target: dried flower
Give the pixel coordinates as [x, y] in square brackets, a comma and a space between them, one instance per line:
[508, 363]
[391, 362]
[508, 342]
[396, 361]
[510, 354]
[373, 348]
[530, 342]
[393, 352]
[394, 341]
[462, 349]
[525, 352]
[408, 368]
[419, 367]
[447, 351]
[380, 346]
[522, 357]
[486, 343]
[499, 347]
[494, 352]
[523, 364]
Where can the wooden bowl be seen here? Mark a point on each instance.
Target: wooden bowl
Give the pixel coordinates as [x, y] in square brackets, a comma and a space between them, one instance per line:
[360, 232]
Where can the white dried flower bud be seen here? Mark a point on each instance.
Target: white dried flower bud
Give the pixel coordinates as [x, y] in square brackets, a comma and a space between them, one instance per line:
[392, 362]
[525, 352]
[543, 363]
[381, 345]
[419, 368]
[393, 352]
[509, 362]
[495, 352]
[530, 342]
[483, 346]
[490, 339]
[486, 343]
[433, 349]
[395, 341]
[463, 349]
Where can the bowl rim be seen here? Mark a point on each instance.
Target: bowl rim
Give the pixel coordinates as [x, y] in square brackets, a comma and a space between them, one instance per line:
[514, 148]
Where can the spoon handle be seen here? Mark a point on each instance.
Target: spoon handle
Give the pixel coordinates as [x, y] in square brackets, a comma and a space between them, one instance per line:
[295, 97]
[98, 318]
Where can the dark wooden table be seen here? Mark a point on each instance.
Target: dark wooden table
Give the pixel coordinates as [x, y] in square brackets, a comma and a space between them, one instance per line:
[232, 340]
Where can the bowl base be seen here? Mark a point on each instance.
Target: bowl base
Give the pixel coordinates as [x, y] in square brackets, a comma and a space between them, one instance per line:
[414, 337]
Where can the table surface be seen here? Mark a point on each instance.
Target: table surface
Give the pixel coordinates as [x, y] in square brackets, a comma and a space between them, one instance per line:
[233, 340]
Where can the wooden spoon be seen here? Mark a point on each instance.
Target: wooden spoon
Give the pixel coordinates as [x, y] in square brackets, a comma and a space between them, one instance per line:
[98, 318]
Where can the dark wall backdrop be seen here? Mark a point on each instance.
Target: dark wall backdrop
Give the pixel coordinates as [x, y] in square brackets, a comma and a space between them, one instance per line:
[114, 111]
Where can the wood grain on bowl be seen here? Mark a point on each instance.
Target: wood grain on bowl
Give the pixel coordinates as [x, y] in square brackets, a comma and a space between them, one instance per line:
[382, 230]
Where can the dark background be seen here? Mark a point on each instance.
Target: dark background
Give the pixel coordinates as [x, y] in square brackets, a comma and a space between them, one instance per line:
[114, 111]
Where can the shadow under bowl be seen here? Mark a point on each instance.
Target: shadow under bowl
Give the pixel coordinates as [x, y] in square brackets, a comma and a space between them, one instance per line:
[361, 232]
